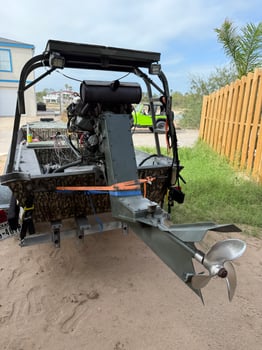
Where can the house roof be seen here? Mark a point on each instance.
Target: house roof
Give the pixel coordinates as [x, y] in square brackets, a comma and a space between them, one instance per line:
[13, 43]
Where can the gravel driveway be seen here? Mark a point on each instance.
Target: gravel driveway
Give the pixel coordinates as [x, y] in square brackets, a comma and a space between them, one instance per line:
[185, 137]
[141, 137]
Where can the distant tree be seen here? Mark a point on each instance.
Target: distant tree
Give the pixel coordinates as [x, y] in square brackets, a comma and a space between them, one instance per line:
[199, 87]
[68, 87]
[243, 46]
[192, 111]
[215, 81]
[41, 94]
[178, 100]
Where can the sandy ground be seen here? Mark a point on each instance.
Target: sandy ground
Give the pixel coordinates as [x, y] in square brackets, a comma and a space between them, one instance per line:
[111, 292]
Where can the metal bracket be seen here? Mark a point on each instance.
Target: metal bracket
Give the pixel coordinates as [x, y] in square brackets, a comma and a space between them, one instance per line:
[82, 225]
[124, 228]
[56, 226]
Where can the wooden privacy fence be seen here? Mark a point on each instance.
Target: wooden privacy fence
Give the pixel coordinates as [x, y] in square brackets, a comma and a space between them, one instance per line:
[231, 123]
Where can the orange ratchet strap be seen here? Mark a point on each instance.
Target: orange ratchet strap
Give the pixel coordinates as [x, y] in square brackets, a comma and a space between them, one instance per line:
[168, 146]
[120, 186]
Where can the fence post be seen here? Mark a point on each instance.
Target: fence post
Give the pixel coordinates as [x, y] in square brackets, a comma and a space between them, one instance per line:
[203, 120]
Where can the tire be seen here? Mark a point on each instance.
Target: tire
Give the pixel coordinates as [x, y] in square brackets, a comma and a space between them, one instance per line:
[5, 196]
[161, 124]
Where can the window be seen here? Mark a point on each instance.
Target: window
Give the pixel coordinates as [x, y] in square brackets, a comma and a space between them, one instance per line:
[5, 60]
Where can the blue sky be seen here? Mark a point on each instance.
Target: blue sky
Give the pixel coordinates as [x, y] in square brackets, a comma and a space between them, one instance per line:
[181, 30]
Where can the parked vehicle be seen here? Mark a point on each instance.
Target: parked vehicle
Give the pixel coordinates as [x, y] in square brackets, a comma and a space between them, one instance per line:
[142, 116]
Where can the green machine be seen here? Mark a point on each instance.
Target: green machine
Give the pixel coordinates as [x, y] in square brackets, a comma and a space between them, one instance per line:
[142, 116]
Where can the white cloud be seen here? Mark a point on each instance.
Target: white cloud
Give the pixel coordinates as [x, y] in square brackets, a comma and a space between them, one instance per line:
[172, 27]
[145, 24]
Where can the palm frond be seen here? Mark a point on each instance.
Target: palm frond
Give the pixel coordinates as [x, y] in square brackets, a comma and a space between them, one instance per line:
[244, 47]
[251, 46]
[227, 35]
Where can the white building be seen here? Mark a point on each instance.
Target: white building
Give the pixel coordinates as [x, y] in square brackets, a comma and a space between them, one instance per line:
[13, 56]
[59, 97]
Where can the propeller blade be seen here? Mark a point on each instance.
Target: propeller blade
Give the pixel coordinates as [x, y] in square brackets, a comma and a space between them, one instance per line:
[226, 250]
[200, 281]
[231, 279]
[218, 262]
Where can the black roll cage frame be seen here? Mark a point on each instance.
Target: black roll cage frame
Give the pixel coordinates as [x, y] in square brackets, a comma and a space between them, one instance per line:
[61, 54]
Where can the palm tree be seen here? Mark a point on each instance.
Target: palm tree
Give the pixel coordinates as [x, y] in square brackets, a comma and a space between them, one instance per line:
[243, 46]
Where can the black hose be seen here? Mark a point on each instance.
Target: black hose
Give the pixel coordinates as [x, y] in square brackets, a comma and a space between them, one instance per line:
[62, 168]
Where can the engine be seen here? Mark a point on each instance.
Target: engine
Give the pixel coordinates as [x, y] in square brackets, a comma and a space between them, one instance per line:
[83, 128]
[85, 113]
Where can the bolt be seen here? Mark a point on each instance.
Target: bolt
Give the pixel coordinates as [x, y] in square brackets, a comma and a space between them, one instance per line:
[222, 273]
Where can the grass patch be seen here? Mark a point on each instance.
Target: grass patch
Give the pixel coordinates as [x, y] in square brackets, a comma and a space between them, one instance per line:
[215, 192]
